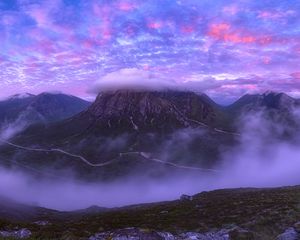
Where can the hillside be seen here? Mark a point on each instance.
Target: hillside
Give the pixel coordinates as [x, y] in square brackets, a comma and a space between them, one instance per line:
[235, 214]
[28, 109]
[124, 132]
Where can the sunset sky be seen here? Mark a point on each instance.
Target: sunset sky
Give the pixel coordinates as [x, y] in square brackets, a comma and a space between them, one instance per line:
[221, 47]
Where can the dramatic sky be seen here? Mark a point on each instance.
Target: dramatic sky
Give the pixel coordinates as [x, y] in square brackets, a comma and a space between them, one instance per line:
[224, 48]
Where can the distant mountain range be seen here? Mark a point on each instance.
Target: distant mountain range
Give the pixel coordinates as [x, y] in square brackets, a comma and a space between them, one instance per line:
[125, 131]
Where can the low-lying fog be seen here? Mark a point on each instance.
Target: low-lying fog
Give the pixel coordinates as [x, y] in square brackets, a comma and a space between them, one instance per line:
[260, 160]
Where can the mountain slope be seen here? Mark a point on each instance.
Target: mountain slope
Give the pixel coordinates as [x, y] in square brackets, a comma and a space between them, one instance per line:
[119, 112]
[146, 124]
[127, 132]
[266, 101]
[45, 108]
[56, 107]
[150, 110]
[277, 108]
[253, 214]
[11, 108]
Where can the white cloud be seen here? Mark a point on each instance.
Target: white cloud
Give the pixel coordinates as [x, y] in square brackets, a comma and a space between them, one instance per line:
[133, 79]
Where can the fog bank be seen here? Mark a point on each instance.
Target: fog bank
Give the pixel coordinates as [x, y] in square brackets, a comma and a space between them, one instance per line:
[262, 159]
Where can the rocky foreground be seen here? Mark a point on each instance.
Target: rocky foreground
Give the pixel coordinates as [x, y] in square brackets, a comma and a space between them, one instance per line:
[222, 214]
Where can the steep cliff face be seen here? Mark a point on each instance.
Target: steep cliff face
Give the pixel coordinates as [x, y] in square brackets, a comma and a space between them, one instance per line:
[150, 110]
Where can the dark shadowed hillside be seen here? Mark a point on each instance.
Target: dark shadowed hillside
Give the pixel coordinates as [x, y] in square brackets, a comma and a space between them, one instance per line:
[124, 132]
[28, 109]
[233, 214]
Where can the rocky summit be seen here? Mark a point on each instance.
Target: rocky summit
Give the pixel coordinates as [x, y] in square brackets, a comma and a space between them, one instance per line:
[148, 110]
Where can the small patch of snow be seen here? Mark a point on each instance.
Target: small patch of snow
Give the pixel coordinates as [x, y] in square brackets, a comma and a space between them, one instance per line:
[21, 96]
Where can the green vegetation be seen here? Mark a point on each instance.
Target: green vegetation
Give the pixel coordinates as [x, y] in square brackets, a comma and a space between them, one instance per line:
[266, 212]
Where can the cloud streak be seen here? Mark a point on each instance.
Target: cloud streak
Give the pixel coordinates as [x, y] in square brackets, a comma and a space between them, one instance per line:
[62, 44]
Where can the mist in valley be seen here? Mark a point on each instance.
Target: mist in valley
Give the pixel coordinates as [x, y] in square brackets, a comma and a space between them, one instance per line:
[264, 157]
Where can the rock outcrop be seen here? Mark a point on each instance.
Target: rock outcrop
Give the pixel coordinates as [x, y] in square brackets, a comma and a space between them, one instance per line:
[16, 234]
[151, 110]
[145, 234]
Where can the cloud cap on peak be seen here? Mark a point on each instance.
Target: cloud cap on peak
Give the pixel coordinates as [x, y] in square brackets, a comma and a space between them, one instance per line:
[133, 79]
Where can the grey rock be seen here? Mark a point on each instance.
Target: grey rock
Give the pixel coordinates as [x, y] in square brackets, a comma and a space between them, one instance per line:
[41, 223]
[17, 234]
[289, 234]
[167, 236]
[164, 212]
[235, 233]
[240, 234]
[139, 234]
[185, 197]
[297, 227]
[129, 234]
[220, 235]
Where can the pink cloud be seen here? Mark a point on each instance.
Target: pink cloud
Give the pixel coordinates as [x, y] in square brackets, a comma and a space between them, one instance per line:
[275, 14]
[231, 10]
[227, 33]
[126, 6]
[155, 24]
[103, 20]
[40, 16]
[266, 60]
[223, 31]
[296, 75]
[188, 29]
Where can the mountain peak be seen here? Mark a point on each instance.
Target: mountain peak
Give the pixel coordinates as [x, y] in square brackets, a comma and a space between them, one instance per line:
[275, 94]
[150, 109]
[21, 96]
[267, 100]
[42, 108]
[270, 92]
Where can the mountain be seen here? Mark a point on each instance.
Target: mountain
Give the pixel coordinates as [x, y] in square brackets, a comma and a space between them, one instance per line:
[147, 124]
[267, 101]
[119, 112]
[276, 107]
[55, 107]
[150, 111]
[45, 108]
[127, 132]
[11, 108]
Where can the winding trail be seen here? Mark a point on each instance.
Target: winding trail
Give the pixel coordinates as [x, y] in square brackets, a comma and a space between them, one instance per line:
[83, 159]
[147, 156]
[144, 155]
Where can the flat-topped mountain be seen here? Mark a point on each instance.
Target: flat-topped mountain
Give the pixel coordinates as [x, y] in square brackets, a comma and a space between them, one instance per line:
[150, 110]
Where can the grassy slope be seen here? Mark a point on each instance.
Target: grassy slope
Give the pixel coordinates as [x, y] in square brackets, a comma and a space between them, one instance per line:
[267, 212]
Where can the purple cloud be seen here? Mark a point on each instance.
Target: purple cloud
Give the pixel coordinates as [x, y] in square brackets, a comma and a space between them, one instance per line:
[72, 43]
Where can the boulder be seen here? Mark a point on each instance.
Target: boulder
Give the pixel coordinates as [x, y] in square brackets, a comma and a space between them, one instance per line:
[289, 234]
[17, 234]
[185, 197]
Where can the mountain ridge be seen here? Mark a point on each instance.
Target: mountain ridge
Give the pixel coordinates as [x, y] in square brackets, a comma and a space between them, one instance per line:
[44, 107]
[189, 127]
